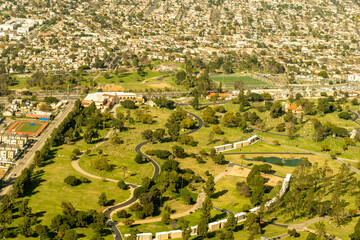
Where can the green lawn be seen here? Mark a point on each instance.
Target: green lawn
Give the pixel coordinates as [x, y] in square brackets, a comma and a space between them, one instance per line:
[121, 157]
[228, 80]
[132, 81]
[28, 127]
[228, 197]
[50, 190]
[341, 232]
[262, 147]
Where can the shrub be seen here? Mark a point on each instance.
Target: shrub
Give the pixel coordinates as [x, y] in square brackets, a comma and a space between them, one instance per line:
[199, 159]
[187, 199]
[101, 163]
[138, 191]
[292, 232]
[122, 214]
[188, 123]
[128, 104]
[139, 158]
[187, 140]
[219, 159]
[280, 127]
[88, 151]
[203, 152]
[179, 152]
[84, 180]
[128, 222]
[276, 143]
[122, 185]
[162, 154]
[72, 181]
[72, 156]
[220, 109]
[345, 115]
[243, 188]
[216, 129]
[325, 148]
[76, 151]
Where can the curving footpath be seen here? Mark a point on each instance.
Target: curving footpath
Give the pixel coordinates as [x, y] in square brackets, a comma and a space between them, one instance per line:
[110, 210]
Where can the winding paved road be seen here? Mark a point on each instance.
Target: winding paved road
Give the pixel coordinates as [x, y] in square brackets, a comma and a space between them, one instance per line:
[109, 211]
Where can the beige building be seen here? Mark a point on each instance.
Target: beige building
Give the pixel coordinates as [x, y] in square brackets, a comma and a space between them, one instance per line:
[15, 139]
[8, 153]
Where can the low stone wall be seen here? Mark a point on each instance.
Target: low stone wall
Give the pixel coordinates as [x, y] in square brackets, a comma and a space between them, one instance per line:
[214, 225]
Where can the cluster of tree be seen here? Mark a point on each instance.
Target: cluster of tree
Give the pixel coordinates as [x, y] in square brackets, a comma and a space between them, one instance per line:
[62, 224]
[128, 104]
[202, 83]
[6, 81]
[162, 154]
[153, 136]
[71, 218]
[149, 197]
[321, 131]
[309, 182]
[256, 183]
[235, 120]
[162, 102]
[74, 181]
[173, 123]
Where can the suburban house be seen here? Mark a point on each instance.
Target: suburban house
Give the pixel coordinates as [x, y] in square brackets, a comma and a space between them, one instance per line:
[297, 110]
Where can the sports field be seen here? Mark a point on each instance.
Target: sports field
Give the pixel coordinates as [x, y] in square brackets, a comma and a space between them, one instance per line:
[228, 81]
[33, 128]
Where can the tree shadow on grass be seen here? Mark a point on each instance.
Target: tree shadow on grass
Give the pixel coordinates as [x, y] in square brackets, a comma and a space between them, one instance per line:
[219, 194]
[110, 202]
[36, 180]
[218, 217]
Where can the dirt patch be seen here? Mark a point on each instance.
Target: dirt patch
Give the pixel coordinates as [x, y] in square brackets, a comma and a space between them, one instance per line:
[159, 85]
[244, 172]
[112, 88]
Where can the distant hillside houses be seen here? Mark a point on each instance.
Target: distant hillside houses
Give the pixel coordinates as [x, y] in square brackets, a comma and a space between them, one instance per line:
[354, 78]
[104, 100]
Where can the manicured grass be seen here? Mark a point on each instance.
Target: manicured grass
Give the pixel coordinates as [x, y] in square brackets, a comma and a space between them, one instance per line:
[121, 157]
[50, 190]
[228, 80]
[283, 170]
[132, 81]
[29, 127]
[262, 147]
[53, 191]
[228, 197]
[341, 232]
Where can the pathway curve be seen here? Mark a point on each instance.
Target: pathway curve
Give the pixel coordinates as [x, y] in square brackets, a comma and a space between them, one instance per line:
[110, 210]
[355, 118]
[300, 227]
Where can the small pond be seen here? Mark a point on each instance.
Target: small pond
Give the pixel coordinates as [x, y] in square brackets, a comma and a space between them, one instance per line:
[279, 161]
